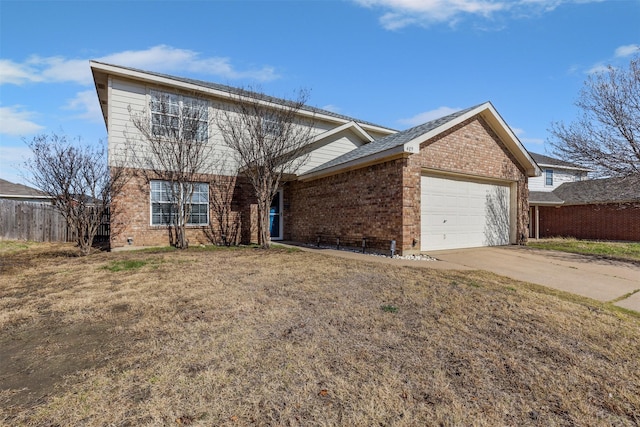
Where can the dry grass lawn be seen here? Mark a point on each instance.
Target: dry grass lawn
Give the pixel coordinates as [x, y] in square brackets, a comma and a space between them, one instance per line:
[254, 337]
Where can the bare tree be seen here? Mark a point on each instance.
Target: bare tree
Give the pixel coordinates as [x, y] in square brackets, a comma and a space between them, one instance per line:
[171, 150]
[224, 227]
[78, 179]
[606, 137]
[268, 140]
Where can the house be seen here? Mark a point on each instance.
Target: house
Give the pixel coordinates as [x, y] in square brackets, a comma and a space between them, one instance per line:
[23, 193]
[458, 181]
[555, 172]
[564, 202]
[597, 209]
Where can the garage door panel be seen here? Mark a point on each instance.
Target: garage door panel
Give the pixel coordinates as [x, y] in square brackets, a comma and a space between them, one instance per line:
[460, 214]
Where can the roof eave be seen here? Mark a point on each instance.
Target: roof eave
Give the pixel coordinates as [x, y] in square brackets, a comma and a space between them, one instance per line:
[166, 81]
[383, 156]
[489, 113]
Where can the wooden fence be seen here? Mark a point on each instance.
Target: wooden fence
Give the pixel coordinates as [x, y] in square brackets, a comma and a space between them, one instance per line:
[39, 222]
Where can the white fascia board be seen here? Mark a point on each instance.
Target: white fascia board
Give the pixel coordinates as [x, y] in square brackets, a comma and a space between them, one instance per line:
[573, 168]
[545, 203]
[145, 77]
[394, 152]
[352, 126]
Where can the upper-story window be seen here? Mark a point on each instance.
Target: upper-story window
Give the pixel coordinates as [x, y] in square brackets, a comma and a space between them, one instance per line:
[548, 177]
[271, 125]
[179, 117]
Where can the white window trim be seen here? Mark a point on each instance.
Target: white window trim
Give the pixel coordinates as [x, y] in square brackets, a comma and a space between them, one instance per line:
[548, 173]
[188, 225]
[181, 101]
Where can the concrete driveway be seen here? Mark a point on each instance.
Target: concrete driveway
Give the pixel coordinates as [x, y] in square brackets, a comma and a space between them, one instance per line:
[600, 279]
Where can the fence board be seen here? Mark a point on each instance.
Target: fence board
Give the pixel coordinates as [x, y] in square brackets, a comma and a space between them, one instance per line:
[39, 222]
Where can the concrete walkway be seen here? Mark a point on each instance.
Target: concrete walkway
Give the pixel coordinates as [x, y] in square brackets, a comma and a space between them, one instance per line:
[600, 279]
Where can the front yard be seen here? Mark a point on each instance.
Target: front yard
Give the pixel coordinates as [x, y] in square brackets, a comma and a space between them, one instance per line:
[254, 337]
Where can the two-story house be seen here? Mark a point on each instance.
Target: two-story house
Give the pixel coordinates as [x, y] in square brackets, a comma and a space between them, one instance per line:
[457, 181]
[564, 202]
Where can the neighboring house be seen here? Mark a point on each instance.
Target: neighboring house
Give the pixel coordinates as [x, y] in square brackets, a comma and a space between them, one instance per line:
[20, 192]
[555, 173]
[458, 181]
[565, 203]
[600, 209]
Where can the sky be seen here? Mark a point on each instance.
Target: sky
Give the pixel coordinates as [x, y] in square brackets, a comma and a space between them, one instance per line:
[397, 63]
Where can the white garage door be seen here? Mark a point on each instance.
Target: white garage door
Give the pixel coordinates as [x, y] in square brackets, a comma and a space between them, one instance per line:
[463, 214]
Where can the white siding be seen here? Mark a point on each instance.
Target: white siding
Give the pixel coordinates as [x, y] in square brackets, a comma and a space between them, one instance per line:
[560, 176]
[129, 97]
[344, 143]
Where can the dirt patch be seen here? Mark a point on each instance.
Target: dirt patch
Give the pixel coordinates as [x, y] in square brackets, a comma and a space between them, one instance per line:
[38, 361]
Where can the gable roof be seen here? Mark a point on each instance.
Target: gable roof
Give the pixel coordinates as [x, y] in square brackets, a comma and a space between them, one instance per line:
[543, 160]
[9, 189]
[408, 141]
[101, 70]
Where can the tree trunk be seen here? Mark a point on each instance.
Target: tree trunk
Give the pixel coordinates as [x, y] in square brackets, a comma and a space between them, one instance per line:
[264, 235]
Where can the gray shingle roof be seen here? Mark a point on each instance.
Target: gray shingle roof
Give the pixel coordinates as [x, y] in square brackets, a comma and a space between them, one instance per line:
[390, 141]
[544, 197]
[605, 190]
[10, 189]
[546, 160]
[236, 91]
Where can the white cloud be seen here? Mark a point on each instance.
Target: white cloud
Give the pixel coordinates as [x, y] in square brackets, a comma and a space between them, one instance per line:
[86, 102]
[14, 73]
[16, 122]
[530, 141]
[161, 58]
[597, 68]
[11, 160]
[627, 50]
[332, 108]
[427, 116]
[403, 13]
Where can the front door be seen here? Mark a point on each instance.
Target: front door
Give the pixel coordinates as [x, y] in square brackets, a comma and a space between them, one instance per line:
[275, 217]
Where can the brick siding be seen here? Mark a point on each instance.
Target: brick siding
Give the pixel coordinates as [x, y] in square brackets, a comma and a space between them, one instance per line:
[365, 202]
[613, 221]
[131, 216]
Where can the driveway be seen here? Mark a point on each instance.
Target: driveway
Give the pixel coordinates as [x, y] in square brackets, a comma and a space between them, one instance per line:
[600, 279]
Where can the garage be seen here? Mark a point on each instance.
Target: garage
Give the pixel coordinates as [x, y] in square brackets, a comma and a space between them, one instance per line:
[457, 212]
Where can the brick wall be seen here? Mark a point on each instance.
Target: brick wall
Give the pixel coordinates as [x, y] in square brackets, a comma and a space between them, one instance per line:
[598, 221]
[365, 202]
[131, 215]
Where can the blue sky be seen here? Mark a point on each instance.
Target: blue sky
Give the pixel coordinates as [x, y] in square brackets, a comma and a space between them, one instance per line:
[397, 63]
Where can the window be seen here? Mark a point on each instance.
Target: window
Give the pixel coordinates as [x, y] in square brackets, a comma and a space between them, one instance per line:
[548, 177]
[164, 208]
[271, 125]
[179, 117]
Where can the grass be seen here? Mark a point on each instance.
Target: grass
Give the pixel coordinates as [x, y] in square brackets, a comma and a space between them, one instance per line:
[254, 337]
[619, 250]
[127, 264]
